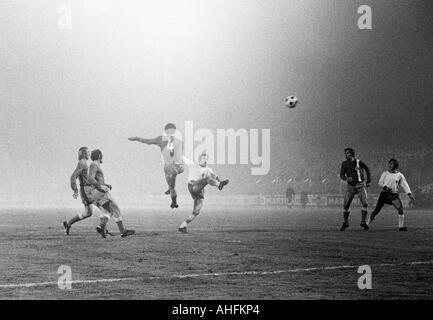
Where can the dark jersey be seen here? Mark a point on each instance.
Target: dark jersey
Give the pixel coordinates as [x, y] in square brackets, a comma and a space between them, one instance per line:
[350, 169]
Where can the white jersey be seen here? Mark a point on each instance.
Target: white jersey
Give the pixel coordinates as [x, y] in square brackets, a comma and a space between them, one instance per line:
[197, 172]
[394, 181]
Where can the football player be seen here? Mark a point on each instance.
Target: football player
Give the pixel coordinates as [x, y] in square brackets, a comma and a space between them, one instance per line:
[199, 176]
[172, 153]
[390, 182]
[99, 194]
[352, 171]
[80, 173]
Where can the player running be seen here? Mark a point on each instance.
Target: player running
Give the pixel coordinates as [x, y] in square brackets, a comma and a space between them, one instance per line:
[390, 181]
[80, 173]
[99, 194]
[199, 176]
[172, 153]
[352, 171]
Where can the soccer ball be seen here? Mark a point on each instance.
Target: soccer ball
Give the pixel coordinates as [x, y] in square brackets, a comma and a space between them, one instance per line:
[291, 102]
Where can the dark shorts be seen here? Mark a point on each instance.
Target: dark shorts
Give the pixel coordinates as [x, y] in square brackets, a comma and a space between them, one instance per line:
[389, 198]
[195, 191]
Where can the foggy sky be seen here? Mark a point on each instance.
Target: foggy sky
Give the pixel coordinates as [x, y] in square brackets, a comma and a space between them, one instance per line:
[128, 67]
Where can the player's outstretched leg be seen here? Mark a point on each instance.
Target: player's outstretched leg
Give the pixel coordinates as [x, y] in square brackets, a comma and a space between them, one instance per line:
[373, 215]
[80, 216]
[380, 203]
[223, 183]
[198, 204]
[214, 181]
[66, 227]
[371, 218]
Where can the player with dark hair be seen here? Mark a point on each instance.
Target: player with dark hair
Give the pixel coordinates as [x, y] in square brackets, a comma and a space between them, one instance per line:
[390, 182]
[172, 152]
[99, 194]
[199, 176]
[352, 171]
[80, 173]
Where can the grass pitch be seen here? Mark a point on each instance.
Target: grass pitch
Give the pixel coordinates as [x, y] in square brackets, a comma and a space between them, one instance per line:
[229, 253]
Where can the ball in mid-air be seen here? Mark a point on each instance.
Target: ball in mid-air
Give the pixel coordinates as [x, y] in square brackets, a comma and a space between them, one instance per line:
[291, 102]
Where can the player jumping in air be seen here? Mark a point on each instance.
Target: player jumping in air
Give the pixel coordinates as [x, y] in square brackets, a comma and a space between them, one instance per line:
[352, 171]
[199, 176]
[80, 173]
[390, 181]
[99, 194]
[172, 153]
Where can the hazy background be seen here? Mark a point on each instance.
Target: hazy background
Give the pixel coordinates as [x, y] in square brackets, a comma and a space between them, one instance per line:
[128, 67]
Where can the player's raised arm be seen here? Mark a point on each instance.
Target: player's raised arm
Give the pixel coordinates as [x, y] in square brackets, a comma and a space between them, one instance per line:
[156, 140]
[92, 177]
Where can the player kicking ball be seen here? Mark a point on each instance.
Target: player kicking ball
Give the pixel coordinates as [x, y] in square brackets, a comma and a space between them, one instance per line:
[199, 176]
[80, 173]
[99, 194]
[391, 181]
[172, 152]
